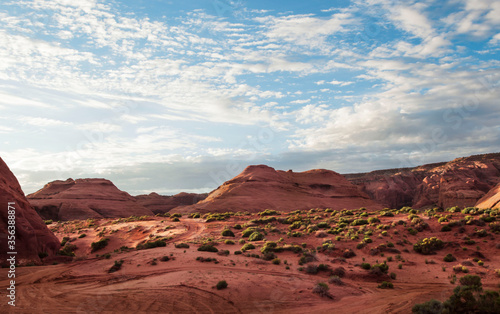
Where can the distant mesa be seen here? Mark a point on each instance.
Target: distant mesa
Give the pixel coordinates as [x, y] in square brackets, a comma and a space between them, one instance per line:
[160, 204]
[261, 187]
[461, 182]
[83, 199]
[32, 235]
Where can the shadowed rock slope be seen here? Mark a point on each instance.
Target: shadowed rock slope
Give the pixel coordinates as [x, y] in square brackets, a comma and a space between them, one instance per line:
[461, 182]
[83, 199]
[32, 235]
[261, 187]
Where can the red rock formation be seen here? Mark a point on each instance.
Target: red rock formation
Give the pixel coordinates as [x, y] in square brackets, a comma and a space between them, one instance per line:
[461, 182]
[261, 187]
[491, 199]
[32, 235]
[160, 204]
[83, 199]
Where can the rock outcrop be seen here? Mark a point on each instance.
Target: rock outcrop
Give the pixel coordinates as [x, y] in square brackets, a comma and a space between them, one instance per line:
[31, 234]
[491, 199]
[83, 199]
[160, 204]
[261, 187]
[461, 182]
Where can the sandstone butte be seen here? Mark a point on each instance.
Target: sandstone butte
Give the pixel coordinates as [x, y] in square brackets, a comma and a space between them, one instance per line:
[32, 235]
[261, 187]
[160, 204]
[83, 199]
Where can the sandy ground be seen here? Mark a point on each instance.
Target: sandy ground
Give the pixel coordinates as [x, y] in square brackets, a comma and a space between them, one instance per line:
[183, 284]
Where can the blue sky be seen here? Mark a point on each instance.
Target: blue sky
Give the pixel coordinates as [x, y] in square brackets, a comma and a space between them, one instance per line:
[173, 96]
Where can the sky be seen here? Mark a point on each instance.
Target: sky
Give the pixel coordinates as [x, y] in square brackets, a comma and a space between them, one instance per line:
[171, 96]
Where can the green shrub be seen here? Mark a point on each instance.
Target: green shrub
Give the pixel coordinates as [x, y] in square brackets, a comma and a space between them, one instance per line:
[359, 222]
[227, 233]
[268, 212]
[182, 246]
[247, 232]
[321, 288]
[208, 248]
[336, 280]
[151, 245]
[237, 226]
[221, 285]
[379, 268]
[276, 261]
[67, 250]
[428, 245]
[229, 242]
[102, 243]
[445, 228]
[64, 240]
[366, 266]
[449, 258]
[247, 246]
[373, 220]
[83, 235]
[256, 236]
[429, 307]
[48, 222]
[386, 285]
[116, 267]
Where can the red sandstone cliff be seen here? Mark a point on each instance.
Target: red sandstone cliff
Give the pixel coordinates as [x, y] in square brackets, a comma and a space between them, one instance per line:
[461, 182]
[32, 235]
[160, 204]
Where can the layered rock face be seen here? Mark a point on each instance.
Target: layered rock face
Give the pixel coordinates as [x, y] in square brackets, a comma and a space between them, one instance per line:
[491, 199]
[160, 204]
[83, 199]
[261, 187]
[461, 182]
[31, 234]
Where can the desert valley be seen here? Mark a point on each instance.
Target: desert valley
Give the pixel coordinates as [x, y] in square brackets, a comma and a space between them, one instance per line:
[266, 241]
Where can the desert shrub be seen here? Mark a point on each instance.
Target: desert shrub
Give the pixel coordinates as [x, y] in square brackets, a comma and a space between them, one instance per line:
[386, 285]
[256, 236]
[338, 271]
[247, 232]
[312, 269]
[428, 245]
[276, 261]
[449, 258]
[386, 214]
[64, 241]
[495, 226]
[165, 258]
[379, 268]
[366, 266]
[469, 297]
[348, 253]
[229, 242]
[227, 233]
[268, 212]
[445, 228]
[412, 231]
[151, 245]
[373, 220]
[182, 246]
[67, 250]
[241, 241]
[359, 222]
[208, 248]
[221, 285]
[48, 222]
[102, 243]
[237, 227]
[393, 276]
[321, 288]
[237, 252]
[481, 233]
[336, 280]
[323, 225]
[83, 235]
[247, 246]
[223, 252]
[429, 307]
[43, 254]
[116, 267]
